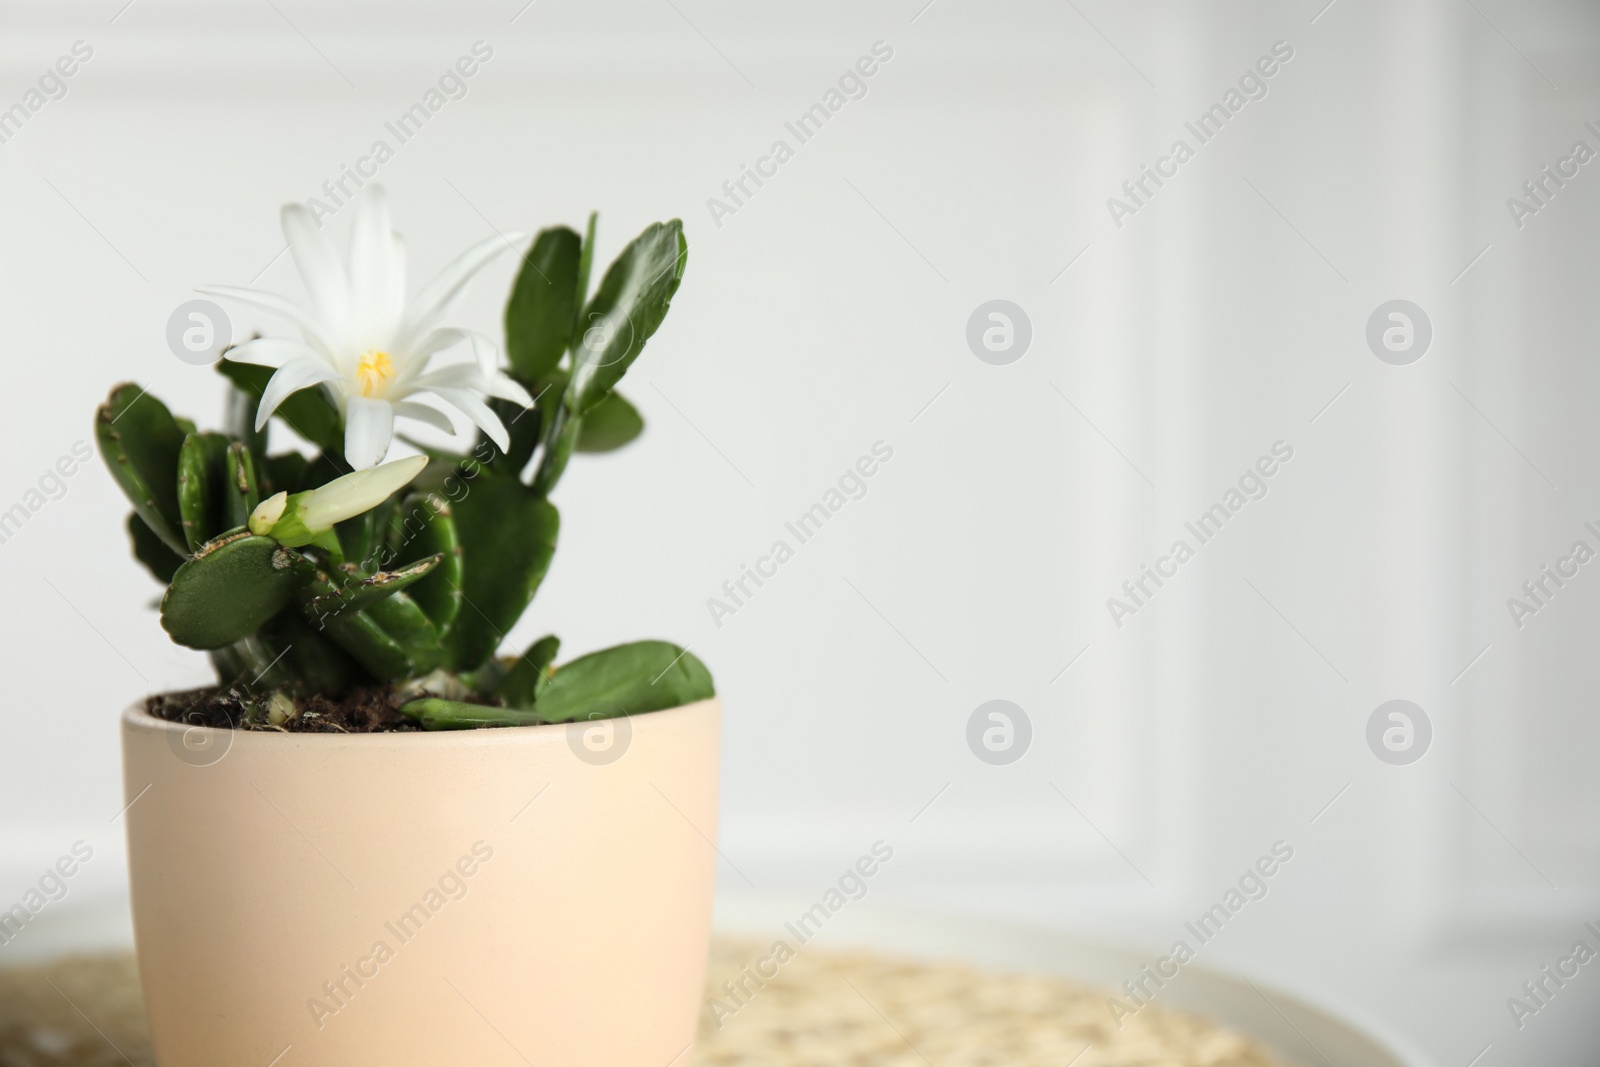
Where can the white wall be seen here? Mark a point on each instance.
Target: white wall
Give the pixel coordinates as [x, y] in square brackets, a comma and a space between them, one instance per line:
[825, 316]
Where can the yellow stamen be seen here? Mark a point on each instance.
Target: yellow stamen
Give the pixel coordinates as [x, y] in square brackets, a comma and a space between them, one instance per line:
[374, 371]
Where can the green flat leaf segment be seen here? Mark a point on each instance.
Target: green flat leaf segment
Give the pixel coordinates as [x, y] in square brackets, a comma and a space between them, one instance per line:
[610, 424]
[351, 593]
[436, 713]
[140, 442]
[389, 636]
[241, 492]
[626, 310]
[508, 536]
[203, 487]
[625, 680]
[424, 527]
[231, 587]
[530, 673]
[544, 303]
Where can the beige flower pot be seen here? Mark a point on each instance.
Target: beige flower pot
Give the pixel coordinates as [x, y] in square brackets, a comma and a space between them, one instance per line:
[539, 895]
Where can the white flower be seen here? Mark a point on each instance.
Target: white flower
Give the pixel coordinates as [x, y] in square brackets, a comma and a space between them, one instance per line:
[365, 344]
[296, 520]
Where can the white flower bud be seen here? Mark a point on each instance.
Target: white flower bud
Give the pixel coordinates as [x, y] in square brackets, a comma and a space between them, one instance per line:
[267, 513]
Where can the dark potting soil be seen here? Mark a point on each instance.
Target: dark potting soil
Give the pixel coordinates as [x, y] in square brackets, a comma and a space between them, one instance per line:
[370, 710]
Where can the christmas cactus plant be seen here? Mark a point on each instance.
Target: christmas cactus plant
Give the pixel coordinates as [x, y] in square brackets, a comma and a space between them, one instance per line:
[316, 579]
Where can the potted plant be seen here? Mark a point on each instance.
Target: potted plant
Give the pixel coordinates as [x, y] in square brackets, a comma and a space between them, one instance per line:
[376, 841]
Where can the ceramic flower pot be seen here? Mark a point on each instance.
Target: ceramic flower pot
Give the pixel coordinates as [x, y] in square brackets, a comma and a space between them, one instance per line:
[486, 897]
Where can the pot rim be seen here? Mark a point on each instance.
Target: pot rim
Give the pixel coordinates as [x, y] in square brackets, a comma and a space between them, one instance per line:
[136, 717]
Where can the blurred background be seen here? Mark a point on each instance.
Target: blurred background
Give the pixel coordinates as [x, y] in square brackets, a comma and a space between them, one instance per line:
[1156, 341]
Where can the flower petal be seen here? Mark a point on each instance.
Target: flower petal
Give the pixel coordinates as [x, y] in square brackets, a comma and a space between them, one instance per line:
[508, 388]
[374, 308]
[272, 352]
[472, 407]
[407, 409]
[397, 276]
[454, 375]
[443, 338]
[274, 304]
[431, 302]
[292, 377]
[318, 263]
[471, 376]
[417, 354]
[368, 430]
